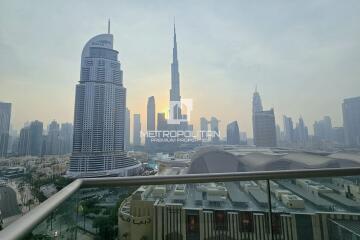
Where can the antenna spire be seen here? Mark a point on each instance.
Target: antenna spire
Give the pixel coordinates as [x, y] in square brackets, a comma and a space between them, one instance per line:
[174, 26]
[109, 26]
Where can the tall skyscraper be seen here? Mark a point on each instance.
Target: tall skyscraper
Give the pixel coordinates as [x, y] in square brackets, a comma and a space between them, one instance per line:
[288, 129]
[99, 118]
[278, 134]
[204, 128]
[175, 83]
[339, 135]
[13, 142]
[301, 133]
[161, 122]
[66, 135]
[256, 102]
[151, 114]
[351, 121]
[31, 139]
[36, 138]
[5, 115]
[256, 107]
[323, 129]
[214, 126]
[137, 130]
[264, 129]
[24, 148]
[233, 133]
[150, 119]
[127, 129]
[53, 139]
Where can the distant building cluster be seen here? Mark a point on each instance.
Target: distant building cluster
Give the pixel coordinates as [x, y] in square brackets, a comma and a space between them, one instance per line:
[33, 140]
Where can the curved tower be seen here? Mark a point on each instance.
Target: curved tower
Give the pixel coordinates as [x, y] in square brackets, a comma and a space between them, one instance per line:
[99, 116]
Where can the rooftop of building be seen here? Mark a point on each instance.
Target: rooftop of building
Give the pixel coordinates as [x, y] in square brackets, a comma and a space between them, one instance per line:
[300, 195]
[239, 158]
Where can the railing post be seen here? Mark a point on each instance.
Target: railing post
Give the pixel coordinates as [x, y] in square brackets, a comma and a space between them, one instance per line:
[270, 209]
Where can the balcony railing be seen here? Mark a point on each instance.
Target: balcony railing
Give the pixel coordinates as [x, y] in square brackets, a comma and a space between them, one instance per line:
[319, 197]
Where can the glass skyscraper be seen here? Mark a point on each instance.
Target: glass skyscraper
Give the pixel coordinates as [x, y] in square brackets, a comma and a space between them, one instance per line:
[99, 118]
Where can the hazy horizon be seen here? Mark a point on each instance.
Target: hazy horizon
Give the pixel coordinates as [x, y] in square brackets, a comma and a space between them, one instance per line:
[304, 58]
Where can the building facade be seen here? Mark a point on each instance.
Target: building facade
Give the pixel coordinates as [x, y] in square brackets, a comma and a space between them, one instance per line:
[24, 142]
[214, 127]
[36, 138]
[137, 130]
[288, 129]
[99, 116]
[323, 129]
[127, 129]
[150, 123]
[351, 120]
[5, 115]
[233, 133]
[53, 139]
[66, 135]
[264, 128]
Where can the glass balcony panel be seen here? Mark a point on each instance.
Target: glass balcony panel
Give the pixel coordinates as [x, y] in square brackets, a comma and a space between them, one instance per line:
[317, 208]
[277, 209]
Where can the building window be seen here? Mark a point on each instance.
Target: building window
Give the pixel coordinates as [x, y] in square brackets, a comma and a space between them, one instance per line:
[246, 222]
[220, 220]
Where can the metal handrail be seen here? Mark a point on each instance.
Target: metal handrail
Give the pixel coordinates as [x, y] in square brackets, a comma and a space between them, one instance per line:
[29, 221]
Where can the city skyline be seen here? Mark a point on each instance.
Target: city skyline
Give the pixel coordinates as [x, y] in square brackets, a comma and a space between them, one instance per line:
[233, 78]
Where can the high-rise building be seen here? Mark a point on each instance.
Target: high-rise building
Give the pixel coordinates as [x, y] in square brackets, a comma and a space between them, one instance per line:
[24, 148]
[323, 129]
[99, 116]
[339, 135]
[301, 133]
[137, 130]
[150, 118]
[233, 133]
[31, 139]
[161, 122]
[278, 134]
[214, 126]
[175, 83]
[127, 129]
[351, 121]
[288, 129]
[53, 139]
[66, 135]
[264, 128]
[14, 150]
[204, 128]
[13, 142]
[243, 138]
[36, 138]
[256, 107]
[204, 124]
[256, 102]
[151, 114]
[5, 114]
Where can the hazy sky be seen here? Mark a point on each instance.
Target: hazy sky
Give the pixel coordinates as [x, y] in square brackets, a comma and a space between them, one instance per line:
[303, 55]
